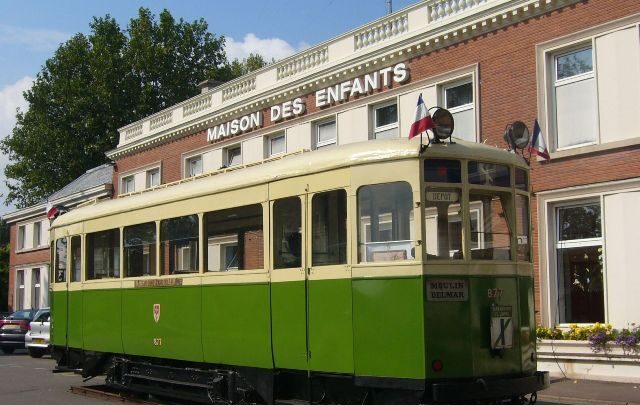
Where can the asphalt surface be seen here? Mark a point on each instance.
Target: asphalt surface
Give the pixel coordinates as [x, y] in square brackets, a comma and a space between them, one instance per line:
[28, 381]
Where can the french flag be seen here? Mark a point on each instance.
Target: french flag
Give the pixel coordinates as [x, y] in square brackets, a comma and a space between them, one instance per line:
[538, 145]
[423, 119]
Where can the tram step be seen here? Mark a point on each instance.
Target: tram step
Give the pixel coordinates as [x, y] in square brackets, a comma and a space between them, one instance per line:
[291, 402]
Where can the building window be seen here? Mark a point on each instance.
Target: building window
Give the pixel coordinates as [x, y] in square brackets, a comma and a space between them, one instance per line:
[575, 98]
[128, 184]
[193, 166]
[234, 156]
[35, 291]
[591, 90]
[326, 133]
[37, 234]
[19, 290]
[579, 258]
[277, 144]
[22, 237]
[153, 177]
[459, 100]
[385, 119]
[235, 239]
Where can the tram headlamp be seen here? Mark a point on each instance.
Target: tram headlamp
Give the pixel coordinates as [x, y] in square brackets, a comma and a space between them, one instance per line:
[443, 124]
[517, 135]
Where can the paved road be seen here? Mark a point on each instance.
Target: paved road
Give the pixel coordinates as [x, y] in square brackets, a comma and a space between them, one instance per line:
[28, 381]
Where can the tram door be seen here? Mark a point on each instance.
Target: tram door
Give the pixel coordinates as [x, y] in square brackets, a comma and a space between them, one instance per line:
[310, 280]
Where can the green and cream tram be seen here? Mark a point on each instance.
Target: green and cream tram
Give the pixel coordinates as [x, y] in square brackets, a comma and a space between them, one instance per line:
[375, 272]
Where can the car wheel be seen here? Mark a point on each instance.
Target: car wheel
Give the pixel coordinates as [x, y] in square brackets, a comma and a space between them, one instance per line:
[7, 350]
[36, 353]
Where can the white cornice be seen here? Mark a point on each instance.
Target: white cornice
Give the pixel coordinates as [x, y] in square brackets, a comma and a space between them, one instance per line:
[70, 201]
[485, 16]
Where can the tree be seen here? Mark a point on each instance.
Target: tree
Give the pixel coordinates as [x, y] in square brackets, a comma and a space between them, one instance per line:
[249, 64]
[97, 83]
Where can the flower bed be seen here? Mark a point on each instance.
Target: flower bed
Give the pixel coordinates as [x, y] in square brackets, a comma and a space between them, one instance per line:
[590, 352]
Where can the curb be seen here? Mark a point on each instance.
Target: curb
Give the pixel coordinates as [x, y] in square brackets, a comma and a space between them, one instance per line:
[581, 401]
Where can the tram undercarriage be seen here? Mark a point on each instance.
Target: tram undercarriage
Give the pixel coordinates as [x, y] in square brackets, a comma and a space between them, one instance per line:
[211, 384]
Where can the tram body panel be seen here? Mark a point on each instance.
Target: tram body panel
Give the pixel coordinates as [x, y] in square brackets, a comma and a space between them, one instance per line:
[236, 325]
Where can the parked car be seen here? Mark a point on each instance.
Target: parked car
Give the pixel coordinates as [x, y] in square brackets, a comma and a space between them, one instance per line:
[37, 338]
[14, 328]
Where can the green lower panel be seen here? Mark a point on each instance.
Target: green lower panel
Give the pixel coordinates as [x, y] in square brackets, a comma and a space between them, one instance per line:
[59, 318]
[102, 320]
[486, 362]
[330, 326]
[236, 326]
[388, 327]
[289, 324]
[528, 324]
[74, 332]
[174, 334]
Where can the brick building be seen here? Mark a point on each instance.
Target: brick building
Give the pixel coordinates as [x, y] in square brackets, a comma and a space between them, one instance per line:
[573, 65]
[29, 261]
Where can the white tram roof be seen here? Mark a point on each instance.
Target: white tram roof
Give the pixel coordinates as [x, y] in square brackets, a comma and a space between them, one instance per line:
[289, 166]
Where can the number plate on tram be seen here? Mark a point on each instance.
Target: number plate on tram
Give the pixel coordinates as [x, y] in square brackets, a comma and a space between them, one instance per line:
[501, 327]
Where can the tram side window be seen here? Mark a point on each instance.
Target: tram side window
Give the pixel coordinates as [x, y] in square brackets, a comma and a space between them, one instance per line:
[522, 228]
[443, 223]
[61, 260]
[287, 233]
[103, 254]
[385, 228]
[140, 250]
[76, 259]
[235, 239]
[179, 245]
[329, 228]
[491, 233]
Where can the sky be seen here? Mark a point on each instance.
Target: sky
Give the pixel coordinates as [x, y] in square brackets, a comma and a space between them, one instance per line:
[31, 31]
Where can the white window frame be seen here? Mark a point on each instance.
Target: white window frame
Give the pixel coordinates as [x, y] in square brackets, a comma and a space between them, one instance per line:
[334, 140]
[227, 155]
[383, 128]
[22, 237]
[187, 165]
[19, 287]
[126, 180]
[546, 78]
[450, 85]
[270, 143]
[148, 177]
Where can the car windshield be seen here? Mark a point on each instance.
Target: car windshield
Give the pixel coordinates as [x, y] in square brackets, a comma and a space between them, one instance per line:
[26, 314]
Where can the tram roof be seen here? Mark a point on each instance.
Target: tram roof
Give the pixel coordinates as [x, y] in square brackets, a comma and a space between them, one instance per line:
[290, 166]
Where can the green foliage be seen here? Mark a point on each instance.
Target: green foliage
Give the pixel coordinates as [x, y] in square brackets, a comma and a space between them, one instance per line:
[249, 64]
[97, 83]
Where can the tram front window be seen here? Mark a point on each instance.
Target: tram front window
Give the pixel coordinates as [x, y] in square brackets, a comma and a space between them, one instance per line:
[491, 233]
[443, 223]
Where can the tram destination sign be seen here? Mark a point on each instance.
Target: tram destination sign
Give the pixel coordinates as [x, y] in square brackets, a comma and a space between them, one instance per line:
[447, 290]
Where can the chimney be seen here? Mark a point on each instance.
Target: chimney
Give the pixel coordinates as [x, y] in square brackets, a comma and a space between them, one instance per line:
[208, 84]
